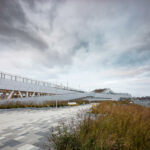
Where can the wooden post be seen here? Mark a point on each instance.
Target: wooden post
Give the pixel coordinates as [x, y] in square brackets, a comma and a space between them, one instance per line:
[5, 96]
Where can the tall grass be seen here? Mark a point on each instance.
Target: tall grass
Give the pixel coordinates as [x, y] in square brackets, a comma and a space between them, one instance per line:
[19, 104]
[110, 126]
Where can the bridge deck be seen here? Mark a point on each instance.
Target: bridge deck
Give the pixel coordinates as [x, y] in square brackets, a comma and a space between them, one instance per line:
[18, 87]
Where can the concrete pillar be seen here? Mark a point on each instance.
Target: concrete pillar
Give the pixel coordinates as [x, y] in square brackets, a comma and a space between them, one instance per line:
[20, 94]
[5, 95]
[33, 94]
[27, 94]
[10, 95]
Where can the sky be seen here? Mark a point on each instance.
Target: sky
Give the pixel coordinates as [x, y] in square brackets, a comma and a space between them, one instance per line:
[88, 44]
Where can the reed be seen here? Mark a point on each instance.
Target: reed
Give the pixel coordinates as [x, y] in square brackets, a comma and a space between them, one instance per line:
[109, 126]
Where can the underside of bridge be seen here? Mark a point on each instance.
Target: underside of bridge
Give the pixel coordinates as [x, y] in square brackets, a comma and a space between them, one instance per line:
[9, 94]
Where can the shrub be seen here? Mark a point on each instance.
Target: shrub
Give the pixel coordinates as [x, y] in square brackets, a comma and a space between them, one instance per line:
[109, 126]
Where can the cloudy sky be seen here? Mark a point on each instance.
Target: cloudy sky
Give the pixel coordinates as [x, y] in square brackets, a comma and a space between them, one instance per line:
[87, 43]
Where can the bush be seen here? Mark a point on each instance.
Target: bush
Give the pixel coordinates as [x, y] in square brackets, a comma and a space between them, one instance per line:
[109, 126]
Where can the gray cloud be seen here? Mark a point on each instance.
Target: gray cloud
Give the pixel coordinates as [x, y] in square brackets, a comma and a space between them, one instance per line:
[23, 36]
[11, 12]
[79, 41]
[135, 57]
[13, 23]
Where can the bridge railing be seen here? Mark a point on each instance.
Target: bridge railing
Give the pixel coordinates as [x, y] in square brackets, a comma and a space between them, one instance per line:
[32, 81]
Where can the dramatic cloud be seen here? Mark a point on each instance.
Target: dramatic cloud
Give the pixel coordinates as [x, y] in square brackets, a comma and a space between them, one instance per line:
[88, 43]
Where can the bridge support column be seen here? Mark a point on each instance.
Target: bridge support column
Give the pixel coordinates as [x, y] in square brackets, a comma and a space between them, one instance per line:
[5, 95]
[27, 94]
[20, 94]
[10, 95]
[33, 94]
[0, 96]
[30, 94]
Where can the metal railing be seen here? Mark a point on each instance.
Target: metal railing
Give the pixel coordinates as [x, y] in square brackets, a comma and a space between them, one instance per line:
[32, 81]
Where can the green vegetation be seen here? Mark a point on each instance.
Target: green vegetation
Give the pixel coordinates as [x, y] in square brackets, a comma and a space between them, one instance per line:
[19, 104]
[108, 126]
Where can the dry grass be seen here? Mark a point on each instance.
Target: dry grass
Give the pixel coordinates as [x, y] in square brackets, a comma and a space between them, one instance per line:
[99, 90]
[110, 126]
[19, 104]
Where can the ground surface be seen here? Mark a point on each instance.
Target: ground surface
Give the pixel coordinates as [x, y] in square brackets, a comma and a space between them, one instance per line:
[26, 129]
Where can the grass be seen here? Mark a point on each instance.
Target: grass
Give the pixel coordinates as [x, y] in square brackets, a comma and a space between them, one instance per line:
[80, 101]
[109, 126]
[19, 104]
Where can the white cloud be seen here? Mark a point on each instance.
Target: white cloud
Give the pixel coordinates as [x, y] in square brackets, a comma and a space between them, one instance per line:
[93, 44]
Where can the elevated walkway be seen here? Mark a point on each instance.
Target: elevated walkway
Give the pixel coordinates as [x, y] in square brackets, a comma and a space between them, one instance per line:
[12, 86]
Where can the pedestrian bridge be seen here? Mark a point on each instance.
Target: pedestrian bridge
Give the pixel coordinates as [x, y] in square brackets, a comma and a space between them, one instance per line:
[12, 86]
[16, 88]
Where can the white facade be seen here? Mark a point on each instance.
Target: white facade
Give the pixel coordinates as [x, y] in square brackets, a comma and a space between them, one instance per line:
[32, 90]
